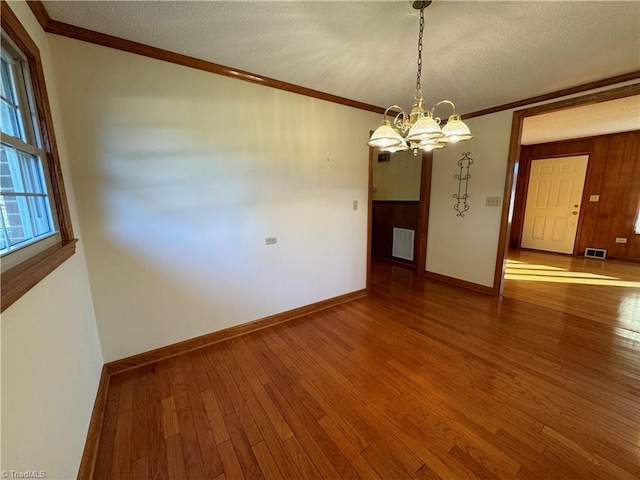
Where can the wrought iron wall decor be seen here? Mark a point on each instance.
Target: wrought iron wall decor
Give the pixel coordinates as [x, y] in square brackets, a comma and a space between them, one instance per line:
[463, 177]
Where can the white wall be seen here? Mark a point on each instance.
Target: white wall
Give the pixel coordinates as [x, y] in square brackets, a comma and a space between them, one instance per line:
[399, 178]
[466, 247]
[51, 357]
[181, 174]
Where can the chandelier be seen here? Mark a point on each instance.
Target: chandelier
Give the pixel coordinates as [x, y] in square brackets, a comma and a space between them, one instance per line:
[419, 130]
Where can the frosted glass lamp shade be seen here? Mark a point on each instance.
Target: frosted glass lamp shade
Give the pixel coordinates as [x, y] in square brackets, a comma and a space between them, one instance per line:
[455, 130]
[429, 146]
[397, 148]
[425, 128]
[385, 136]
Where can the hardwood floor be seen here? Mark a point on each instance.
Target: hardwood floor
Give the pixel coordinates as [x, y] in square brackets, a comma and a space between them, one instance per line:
[417, 380]
[605, 291]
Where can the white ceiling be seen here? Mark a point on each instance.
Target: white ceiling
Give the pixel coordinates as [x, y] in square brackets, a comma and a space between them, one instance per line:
[478, 54]
[621, 115]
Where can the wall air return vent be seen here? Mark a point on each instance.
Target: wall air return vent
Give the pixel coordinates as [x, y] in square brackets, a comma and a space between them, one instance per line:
[403, 243]
[600, 253]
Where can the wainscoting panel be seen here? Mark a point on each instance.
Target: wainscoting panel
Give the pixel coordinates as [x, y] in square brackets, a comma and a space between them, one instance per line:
[387, 215]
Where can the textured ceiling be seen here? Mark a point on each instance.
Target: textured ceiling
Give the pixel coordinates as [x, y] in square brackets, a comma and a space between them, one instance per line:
[620, 115]
[478, 54]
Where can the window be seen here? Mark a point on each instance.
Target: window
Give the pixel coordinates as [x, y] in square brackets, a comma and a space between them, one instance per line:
[25, 211]
[35, 230]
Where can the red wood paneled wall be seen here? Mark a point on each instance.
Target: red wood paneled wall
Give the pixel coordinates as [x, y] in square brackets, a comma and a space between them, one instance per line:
[613, 173]
[387, 214]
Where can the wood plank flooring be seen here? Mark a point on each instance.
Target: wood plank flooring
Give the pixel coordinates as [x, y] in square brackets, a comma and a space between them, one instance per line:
[417, 380]
[606, 291]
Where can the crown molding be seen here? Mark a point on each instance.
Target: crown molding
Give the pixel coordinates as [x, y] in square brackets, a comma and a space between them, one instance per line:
[39, 10]
[605, 82]
[50, 25]
[66, 30]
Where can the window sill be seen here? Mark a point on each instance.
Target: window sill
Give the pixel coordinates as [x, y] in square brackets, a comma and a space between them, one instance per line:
[20, 279]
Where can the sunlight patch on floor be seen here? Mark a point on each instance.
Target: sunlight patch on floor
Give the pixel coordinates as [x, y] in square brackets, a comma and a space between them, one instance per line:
[580, 281]
[529, 266]
[543, 273]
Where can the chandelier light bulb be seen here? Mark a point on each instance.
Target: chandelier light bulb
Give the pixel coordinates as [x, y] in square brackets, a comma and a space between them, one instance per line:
[430, 145]
[397, 148]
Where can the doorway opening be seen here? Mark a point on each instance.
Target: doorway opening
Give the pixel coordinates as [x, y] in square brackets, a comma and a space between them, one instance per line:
[554, 216]
[400, 185]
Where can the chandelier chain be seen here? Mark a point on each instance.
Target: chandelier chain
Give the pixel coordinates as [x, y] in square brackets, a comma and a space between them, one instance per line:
[420, 49]
[419, 129]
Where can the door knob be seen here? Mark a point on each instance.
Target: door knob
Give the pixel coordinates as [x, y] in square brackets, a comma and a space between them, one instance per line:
[574, 213]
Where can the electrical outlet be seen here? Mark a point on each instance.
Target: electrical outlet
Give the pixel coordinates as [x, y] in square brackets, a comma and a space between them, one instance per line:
[594, 198]
[493, 201]
[271, 240]
[621, 240]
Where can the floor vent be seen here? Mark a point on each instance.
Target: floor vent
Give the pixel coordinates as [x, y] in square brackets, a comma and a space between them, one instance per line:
[595, 253]
[403, 243]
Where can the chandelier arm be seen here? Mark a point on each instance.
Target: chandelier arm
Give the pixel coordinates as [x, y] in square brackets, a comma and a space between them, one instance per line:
[399, 120]
[395, 107]
[433, 110]
[398, 123]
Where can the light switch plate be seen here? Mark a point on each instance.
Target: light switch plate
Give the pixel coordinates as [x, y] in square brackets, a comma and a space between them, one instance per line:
[594, 198]
[493, 201]
[271, 240]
